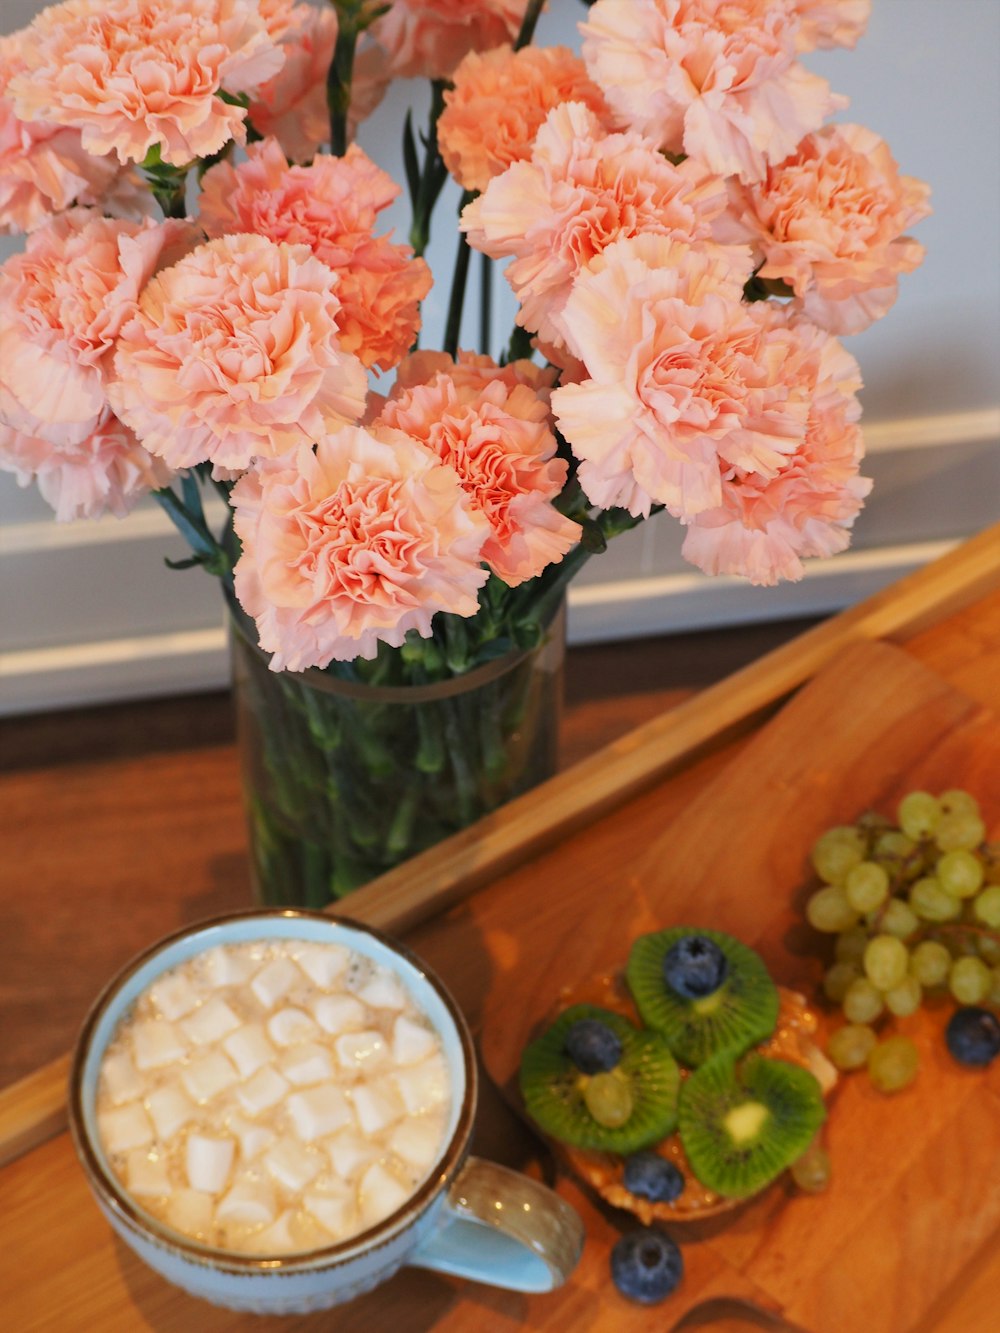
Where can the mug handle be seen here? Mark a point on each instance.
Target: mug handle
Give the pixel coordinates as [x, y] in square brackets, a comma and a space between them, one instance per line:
[499, 1226]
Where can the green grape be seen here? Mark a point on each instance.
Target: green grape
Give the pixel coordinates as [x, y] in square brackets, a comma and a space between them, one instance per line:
[850, 1045]
[931, 902]
[862, 1002]
[991, 863]
[811, 1171]
[837, 979]
[886, 961]
[970, 980]
[989, 949]
[918, 814]
[898, 918]
[850, 945]
[930, 963]
[828, 910]
[955, 801]
[866, 886]
[959, 873]
[608, 1098]
[893, 849]
[836, 850]
[959, 831]
[986, 906]
[893, 1064]
[906, 998]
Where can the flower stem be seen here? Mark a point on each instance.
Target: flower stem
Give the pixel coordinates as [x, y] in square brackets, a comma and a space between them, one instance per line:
[528, 23]
[433, 174]
[485, 303]
[339, 78]
[456, 304]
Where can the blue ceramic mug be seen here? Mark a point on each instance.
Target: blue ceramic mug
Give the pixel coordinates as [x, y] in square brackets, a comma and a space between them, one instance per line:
[471, 1218]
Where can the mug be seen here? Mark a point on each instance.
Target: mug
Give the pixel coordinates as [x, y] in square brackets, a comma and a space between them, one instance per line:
[470, 1218]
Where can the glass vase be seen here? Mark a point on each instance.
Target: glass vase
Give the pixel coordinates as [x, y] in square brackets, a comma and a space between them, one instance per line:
[344, 780]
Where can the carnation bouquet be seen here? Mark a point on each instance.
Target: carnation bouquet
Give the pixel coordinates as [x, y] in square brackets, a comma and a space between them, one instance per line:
[206, 302]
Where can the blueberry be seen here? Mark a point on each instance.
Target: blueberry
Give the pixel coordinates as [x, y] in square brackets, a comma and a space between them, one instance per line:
[592, 1046]
[652, 1177]
[695, 967]
[646, 1265]
[973, 1036]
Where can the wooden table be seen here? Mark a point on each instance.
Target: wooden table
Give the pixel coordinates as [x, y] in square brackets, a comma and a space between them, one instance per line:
[60, 1268]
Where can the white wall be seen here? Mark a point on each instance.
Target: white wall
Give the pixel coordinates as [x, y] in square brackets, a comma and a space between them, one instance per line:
[87, 610]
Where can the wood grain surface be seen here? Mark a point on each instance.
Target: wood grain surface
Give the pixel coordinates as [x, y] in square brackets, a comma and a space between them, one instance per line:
[60, 1268]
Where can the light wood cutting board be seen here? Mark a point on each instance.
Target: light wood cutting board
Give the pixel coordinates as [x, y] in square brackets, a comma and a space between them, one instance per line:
[915, 1191]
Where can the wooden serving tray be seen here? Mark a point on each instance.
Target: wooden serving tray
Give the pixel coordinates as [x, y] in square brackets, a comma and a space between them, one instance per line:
[484, 910]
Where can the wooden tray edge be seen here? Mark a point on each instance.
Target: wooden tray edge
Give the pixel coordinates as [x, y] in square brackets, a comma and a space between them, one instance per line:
[33, 1109]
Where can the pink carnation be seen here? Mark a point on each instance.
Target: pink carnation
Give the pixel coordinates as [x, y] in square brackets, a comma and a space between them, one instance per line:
[357, 543]
[138, 74]
[768, 522]
[292, 106]
[234, 354]
[472, 370]
[105, 473]
[331, 206]
[830, 22]
[497, 435]
[829, 221]
[63, 303]
[499, 102]
[44, 168]
[428, 38]
[686, 382]
[582, 189]
[715, 79]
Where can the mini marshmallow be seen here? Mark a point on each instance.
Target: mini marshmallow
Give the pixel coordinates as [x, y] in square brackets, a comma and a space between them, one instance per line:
[253, 1139]
[210, 1022]
[226, 967]
[265, 1089]
[156, 1043]
[411, 1042]
[377, 1105]
[423, 1086]
[338, 1013]
[191, 1212]
[169, 1109]
[416, 1142]
[292, 1165]
[361, 1051]
[147, 1174]
[333, 1207]
[291, 1025]
[277, 1238]
[208, 1161]
[207, 1076]
[120, 1079]
[323, 964]
[250, 1202]
[174, 995]
[318, 1111]
[248, 1048]
[380, 1194]
[383, 991]
[349, 1153]
[307, 1063]
[125, 1127]
[275, 979]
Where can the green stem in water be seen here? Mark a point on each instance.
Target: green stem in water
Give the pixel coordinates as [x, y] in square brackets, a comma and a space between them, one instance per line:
[339, 78]
[485, 303]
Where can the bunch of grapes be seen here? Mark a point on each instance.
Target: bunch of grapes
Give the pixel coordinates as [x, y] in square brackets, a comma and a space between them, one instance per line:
[915, 907]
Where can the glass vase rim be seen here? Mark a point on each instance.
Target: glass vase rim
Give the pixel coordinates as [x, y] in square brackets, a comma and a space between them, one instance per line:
[317, 679]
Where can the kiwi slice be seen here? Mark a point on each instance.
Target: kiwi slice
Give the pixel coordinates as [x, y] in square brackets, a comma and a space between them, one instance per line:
[741, 1012]
[636, 1101]
[743, 1122]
